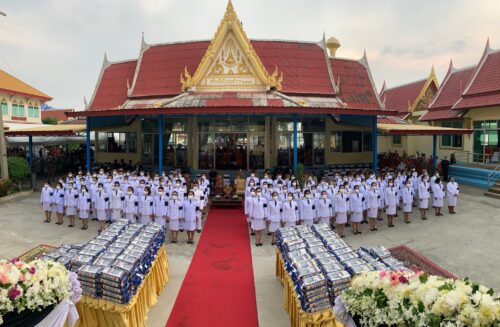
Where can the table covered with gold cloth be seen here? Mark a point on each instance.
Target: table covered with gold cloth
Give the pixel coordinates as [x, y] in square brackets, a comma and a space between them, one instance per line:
[298, 317]
[99, 312]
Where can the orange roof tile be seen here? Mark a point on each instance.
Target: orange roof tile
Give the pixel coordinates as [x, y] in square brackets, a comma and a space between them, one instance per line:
[12, 85]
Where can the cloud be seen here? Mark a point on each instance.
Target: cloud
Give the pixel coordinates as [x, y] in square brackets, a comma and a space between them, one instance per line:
[425, 50]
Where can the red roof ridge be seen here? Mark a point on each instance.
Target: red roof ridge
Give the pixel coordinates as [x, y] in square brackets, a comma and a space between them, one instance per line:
[335, 86]
[449, 73]
[105, 64]
[144, 48]
[405, 84]
[487, 51]
[364, 62]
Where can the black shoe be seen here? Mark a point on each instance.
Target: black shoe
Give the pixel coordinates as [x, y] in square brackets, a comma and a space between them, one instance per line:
[181, 230]
[342, 236]
[347, 225]
[380, 219]
[269, 234]
[359, 232]
[375, 229]
[355, 233]
[272, 243]
[94, 219]
[198, 231]
[252, 233]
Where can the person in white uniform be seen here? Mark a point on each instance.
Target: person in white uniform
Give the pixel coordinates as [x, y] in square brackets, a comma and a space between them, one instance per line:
[101, 206]
[341, 209]
[324, 208]
[307, 209]
[356, 208]
[258, 212]
[116, 204]
[58, 203]
[391, 202]
[373, 206]
[46, 197]
[248, 208]
[160, 204]
[452, 191]
[437, 196]
[175, 214]
[423, 196]
[290, 215]
[407, 197]
[83, 206]
[130, 205]
[146, 206]
[191, 207]
[274, 215]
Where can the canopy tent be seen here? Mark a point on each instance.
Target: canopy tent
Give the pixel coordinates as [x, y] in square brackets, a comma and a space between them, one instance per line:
[46, 140]
[46, 130]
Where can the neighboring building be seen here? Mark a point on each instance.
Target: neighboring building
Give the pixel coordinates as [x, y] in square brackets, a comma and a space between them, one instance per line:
[20, 103]
[231, 103]
[59, 114]
[410, 101]
[470, 98]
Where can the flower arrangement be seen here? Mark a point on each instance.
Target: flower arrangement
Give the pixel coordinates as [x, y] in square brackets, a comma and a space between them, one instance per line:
[396, 298]
[32, 286]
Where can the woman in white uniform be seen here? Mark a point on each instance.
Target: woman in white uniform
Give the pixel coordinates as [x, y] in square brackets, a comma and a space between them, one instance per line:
[324, 208]
[101, 206]
[116, 203]
[146, 206]
[83, 206]
[452, 191]
[58, 203]
[437, 196]
[341, 208]
[407, 198]
[46, 201]
[191, 208]
[175, 212]
[391, 201]
[423, 196]
[248, 208]
[160, 204]
[130, 205]
[373, 206]
[356, 207]
[274, 215]
[259, 215]
[290, 215]
[307, 209]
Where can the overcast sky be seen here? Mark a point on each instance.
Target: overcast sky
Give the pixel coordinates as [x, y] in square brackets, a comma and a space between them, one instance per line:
[58, 45]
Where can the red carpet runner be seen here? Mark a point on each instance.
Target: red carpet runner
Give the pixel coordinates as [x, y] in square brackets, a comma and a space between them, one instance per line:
[218, 289]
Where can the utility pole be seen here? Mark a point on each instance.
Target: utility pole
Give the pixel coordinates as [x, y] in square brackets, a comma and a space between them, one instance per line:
[3, 152]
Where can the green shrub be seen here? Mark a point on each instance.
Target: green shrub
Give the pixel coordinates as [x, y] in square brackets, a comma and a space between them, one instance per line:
[5, 185]
[19, 169]
[50, 120]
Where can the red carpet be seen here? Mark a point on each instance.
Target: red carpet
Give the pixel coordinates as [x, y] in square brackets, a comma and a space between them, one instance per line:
[219, 289]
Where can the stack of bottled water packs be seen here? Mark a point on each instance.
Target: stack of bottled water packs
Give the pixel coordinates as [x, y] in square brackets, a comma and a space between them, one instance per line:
[113, 265]
[321, 264]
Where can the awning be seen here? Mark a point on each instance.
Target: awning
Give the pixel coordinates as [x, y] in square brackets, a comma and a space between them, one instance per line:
[414, 129]
[13, 141]
[47, 130]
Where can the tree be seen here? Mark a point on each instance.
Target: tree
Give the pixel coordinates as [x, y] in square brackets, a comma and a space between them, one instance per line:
[19, 169]
[50, 120]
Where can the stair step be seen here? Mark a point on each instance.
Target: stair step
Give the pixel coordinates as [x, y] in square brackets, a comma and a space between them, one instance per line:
[495, 189]
[492, 195]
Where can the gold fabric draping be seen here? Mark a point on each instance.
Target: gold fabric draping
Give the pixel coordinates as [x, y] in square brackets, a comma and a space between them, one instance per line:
[298, 317]
[98, 312]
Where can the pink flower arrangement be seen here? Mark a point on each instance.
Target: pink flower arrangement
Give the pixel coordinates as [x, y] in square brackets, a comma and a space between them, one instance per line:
[14, 293]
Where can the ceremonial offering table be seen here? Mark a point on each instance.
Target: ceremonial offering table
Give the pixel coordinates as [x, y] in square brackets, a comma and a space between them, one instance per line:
[99, 312]
[298, 317]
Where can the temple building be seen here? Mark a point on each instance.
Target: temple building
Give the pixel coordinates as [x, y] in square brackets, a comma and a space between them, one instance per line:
[20, 103]
[410, 101]
[470, 98]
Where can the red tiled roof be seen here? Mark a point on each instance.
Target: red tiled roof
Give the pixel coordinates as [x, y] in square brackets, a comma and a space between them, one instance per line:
[391, 120]
[401, 97]
[303, 65]
[451, 90]
[441, 114]
[479, 101]
[56, 113]
[356, 88]
[111, 90]
[162, 65]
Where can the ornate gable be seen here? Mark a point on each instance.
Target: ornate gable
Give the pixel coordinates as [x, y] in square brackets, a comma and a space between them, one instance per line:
[426, 95]
[230, 63]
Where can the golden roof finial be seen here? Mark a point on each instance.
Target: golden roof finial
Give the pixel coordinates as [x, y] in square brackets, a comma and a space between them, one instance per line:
[230, 14]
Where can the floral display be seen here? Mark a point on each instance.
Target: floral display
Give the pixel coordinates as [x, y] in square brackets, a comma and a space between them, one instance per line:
[394, 298]
[32, 286]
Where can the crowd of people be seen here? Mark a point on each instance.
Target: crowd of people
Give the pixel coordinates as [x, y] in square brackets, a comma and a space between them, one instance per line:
[343, 199]
[106, 196]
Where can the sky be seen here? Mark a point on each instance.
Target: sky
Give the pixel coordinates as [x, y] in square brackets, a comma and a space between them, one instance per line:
[58, 46]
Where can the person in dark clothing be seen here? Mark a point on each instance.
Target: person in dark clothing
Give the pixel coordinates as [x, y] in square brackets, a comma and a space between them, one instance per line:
[444, 165]
[453, 160]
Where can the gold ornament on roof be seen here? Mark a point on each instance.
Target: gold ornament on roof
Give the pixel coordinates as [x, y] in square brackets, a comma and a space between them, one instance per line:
[230, 62]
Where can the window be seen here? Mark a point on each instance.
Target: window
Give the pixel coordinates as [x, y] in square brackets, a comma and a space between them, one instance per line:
[33, 112]
[18, 110]
[367, 141]
[396, 139]
[350, 141]
[5, 109]
[117, 142]
[453, 141]
[336, 142]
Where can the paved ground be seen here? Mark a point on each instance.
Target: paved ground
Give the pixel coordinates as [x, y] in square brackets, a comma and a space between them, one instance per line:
[467, 244]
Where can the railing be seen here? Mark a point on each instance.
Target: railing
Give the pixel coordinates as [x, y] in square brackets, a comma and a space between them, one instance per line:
[493, 176]
[473, 158]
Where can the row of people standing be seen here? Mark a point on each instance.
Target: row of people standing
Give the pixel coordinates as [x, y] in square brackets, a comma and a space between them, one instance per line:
[108, 198]
[273, 203]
